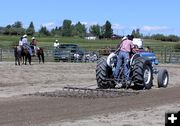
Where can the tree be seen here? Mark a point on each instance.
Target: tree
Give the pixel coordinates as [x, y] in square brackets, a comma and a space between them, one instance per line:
[56, 31]
[133, 32]
[30, 30]
[19, 31]
[79, 30]
[95, 30]
[7, 30]
[172, 38]
[136, 33]
[44, 31]
[108, 31]
[1, 30]
[17, 24]
[14, 29]
[67, 28]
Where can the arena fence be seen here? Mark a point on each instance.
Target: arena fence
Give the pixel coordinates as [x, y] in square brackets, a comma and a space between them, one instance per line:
[164, 55]
[0, 54]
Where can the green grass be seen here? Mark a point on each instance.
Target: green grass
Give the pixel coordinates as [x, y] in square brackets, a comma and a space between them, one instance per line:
[8, 41]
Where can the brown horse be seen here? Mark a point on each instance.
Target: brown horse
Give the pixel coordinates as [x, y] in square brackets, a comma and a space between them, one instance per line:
[17, 54]
[40, 54]
[26, 56]
[21, 55]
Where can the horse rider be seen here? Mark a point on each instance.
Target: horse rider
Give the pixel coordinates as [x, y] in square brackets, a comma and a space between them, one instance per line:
[124, 51]
[25, 44]
[34, 45]
[20, 41]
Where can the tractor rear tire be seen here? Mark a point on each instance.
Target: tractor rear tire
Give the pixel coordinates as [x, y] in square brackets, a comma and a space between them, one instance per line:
[163, 78]
[104, 72]
[142, 73]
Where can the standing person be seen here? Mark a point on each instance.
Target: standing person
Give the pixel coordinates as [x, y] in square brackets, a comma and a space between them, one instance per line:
[123, 56]
[34, 45]
[26, 44]
[56, 44]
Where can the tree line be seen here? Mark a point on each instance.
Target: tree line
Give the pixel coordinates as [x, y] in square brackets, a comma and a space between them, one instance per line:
[70, 30]
[161, 37]
[67, 29]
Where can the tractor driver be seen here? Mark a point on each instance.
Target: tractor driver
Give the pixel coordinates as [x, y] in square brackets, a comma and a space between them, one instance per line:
[124, 48]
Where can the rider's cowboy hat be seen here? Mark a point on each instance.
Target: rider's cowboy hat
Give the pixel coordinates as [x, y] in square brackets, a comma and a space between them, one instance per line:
[24, 36]
[33, 38]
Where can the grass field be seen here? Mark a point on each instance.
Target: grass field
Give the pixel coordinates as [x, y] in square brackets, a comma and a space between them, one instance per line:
[7, 42]
[163, 50]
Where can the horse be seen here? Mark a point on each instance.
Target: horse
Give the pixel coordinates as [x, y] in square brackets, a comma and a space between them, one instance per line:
[21, 55]
[26, 56]
[40, 54]
[17, 54]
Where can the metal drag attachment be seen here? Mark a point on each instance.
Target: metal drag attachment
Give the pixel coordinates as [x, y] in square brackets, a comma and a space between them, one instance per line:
[96, 93]
[76, 92]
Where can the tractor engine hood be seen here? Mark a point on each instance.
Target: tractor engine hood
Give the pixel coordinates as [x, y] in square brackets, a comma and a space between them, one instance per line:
[150, 56]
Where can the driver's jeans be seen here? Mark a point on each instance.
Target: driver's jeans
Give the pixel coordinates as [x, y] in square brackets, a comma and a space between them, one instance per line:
[122, 57]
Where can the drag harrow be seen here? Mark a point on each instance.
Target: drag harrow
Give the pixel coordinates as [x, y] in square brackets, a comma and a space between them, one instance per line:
[96, 93]
[87, 93]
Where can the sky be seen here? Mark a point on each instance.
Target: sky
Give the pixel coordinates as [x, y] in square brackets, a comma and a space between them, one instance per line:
[151, 17]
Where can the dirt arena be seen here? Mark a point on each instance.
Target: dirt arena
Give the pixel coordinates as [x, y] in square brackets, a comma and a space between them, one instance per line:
[17, 108]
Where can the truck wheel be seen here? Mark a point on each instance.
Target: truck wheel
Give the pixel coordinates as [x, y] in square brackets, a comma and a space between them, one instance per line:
[103, 72]
[142, 74]
[163, 78]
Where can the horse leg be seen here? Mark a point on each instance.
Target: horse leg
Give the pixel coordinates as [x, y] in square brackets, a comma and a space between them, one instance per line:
[29, 59]
[39, 58]
[25, 62]
[19, 58]
[23, 59]
[42, 56]
[15, 60]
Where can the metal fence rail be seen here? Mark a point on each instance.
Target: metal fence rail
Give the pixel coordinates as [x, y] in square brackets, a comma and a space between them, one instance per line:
[0, 54]
[164, 55]
[8, 55]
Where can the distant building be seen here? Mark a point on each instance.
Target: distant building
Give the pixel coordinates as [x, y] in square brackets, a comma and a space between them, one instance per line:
[90, 36]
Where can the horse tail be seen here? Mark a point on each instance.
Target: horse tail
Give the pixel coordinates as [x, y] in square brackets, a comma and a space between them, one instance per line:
[17, 54]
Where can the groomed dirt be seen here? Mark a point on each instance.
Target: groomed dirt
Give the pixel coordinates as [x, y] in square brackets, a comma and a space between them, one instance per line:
[18, 109]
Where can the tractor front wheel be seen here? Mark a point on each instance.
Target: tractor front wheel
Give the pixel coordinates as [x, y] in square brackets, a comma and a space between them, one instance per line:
[163, 78]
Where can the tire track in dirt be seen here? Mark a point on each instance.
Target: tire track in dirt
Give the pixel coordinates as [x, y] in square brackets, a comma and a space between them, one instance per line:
[16, 111]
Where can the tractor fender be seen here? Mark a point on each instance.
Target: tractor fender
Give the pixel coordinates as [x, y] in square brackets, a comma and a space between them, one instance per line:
[109, 59]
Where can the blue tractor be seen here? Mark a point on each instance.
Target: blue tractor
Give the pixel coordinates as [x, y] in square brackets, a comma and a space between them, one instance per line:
[141, 69]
